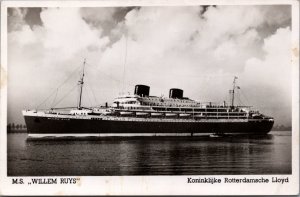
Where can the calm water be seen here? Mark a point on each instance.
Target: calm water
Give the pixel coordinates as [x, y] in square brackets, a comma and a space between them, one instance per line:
[270, 154]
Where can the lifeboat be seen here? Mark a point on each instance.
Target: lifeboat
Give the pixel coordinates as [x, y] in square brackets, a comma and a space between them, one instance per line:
[141, 113]
[257, 116]
[184, 115]
[170, 114]
[156, 114]
[107, 113]
[215, 135]
[126, 113]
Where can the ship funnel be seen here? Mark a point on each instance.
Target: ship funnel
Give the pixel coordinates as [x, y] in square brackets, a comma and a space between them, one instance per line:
[142, 90]
[176, 93]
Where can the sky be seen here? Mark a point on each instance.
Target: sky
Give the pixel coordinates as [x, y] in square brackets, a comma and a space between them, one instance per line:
[196, 48]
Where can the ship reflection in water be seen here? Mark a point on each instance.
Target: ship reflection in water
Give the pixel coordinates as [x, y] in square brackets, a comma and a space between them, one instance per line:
[269, 154]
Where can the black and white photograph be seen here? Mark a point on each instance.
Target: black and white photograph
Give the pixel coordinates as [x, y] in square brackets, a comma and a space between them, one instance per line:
[121, 91]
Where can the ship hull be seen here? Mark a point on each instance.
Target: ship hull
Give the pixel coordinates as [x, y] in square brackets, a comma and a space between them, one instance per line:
[111, 126]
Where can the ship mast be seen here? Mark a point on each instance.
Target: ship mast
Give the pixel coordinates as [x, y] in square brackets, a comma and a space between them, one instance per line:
[81, 82]
[232, 91]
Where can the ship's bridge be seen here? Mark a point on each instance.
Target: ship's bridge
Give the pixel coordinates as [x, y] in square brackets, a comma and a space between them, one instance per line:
[126, 101]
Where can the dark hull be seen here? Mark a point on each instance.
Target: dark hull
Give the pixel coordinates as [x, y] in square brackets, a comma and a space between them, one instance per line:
[45, 125]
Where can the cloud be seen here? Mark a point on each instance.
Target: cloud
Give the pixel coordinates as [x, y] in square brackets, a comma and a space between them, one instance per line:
[277, 15]
[107, 19]
[68, 37]
[41, 57]
[16, 18]
[189, 47]
[271, 76]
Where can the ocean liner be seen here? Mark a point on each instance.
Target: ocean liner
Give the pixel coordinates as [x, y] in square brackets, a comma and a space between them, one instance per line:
[140, 114]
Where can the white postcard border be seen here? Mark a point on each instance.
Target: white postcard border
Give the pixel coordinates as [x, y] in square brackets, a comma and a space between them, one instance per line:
[151, 185]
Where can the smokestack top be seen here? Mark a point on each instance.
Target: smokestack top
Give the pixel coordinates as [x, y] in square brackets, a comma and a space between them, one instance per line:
[142, 90]
[176, 93]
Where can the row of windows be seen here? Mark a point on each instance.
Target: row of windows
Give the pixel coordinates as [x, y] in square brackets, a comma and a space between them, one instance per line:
[128, 102]
[194, 113]
[170, 108]
[141, 108]
[187, 117]
[169, 100]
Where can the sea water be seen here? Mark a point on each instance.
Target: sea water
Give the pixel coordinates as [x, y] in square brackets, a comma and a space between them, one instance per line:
[229, 155]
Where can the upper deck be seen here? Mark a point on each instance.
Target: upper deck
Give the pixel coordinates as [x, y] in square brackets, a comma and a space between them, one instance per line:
[161, 103]
[151, 106]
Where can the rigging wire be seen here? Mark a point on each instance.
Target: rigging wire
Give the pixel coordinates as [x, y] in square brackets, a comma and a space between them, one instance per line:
[93, 94]
[124, 66]
[54, 98]
[65, 95]
[45, 100]
[239, 101]
[78, 92]
[206, 76]
[91, 89]
[205, 90]
[88, 94]
[108, 76]
[245, 98]
[156, 74]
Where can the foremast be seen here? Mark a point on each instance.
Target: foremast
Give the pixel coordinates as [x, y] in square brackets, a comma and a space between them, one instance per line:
[80, 83]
